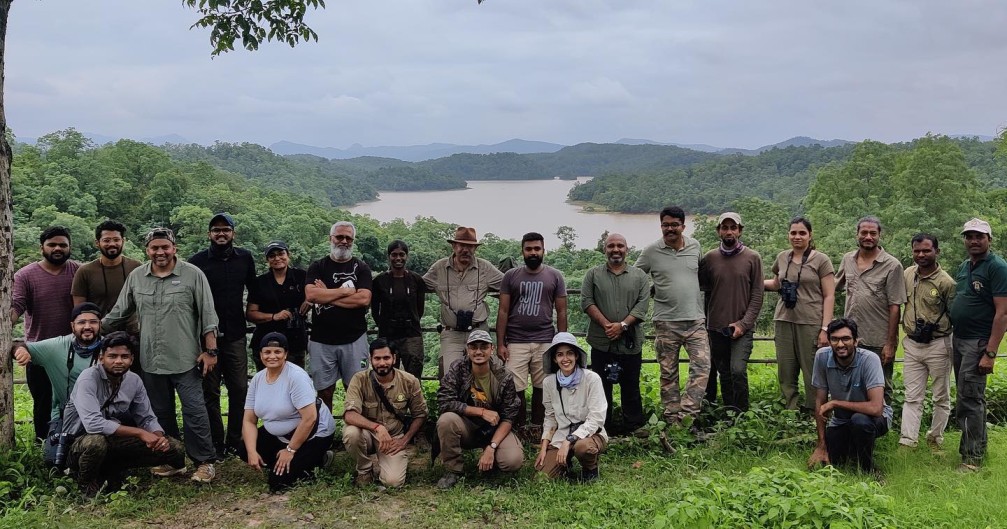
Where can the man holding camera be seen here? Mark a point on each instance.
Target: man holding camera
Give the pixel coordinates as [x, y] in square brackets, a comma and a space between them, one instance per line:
[397, 306]
[616, 296]
[731, 276]
[461, 282]
[384, 410]
[875, 291]
[276, 304]
[927, 346]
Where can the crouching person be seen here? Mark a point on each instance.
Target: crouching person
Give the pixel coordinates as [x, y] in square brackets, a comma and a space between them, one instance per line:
[575, 410]
[478, 405]
[109, 417]
[383, 412]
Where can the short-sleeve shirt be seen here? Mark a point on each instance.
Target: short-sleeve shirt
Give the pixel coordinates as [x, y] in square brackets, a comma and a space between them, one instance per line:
[272, 297]
[100, 284]
[333, 325]
[51, 355]
[405, 394]
[532, 300]
[44, 300]
[850, 383]
[810, 298]
[677, 296]
[928, 298]
[972, 310]
[870, 293]
[277, 402]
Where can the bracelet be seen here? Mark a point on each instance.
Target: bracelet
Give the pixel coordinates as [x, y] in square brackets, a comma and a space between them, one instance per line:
[272, 317]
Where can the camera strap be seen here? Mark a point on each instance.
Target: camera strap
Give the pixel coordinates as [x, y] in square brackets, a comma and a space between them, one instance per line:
[384, 399]
[804, 259]
[916, 284]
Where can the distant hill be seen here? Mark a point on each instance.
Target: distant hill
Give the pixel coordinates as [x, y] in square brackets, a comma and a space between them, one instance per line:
[702, 147]
[415, 153]
[595, 159]
[797, 141]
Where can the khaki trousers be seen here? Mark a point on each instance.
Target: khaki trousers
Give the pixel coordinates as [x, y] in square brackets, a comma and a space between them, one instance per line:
[587, 451]
[923, 360]
[795, 355]
[362, 445]
[526, 359]
[457, 433]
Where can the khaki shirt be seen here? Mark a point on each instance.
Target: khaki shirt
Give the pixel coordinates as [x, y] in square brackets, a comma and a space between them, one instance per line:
[464, 291]
[404, 393]
[870, 293]
[810, 297]
[929, 298]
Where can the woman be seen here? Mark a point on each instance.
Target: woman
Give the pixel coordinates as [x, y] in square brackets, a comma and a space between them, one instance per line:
[806, 281]
[296, 427]
[575, 409]
[276, 303]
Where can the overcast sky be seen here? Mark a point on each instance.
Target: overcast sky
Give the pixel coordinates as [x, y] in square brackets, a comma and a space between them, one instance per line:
[401, 72]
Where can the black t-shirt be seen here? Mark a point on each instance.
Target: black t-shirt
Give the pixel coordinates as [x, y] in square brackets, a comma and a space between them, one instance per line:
[397, 304]
[228, 275]
[335, 325]
[272, 297]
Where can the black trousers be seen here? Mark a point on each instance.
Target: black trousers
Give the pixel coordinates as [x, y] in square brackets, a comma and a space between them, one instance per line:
[854, 441]
[629, 384]
[232, 369]
[308, 457]
[41, 395]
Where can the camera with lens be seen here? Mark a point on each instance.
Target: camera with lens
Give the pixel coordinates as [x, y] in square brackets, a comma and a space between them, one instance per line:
[788, 293]
[612, 372]
[728, 331]
[62, 441]
[296, 322]
[923, 332]
[463, 320]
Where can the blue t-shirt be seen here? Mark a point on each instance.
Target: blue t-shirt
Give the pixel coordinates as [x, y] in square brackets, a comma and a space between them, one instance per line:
[850, 383]
[277, 403]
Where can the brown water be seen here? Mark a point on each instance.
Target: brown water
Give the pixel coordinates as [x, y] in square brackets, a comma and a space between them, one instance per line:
[512, 208]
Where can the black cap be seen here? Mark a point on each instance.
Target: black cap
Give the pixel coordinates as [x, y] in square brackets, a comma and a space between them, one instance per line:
[226, 217]
[275, 245]
[81, 308]
[276, 338]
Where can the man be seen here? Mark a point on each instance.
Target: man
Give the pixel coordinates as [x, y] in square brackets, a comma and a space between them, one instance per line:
[673, 265]
[461, 282]
[875, 290]
[42, 295]
[478, 405]
[340, 287]
[979, 317]
[101, 280]
[850, 389]
[276, 304]
[927, 345]
[397, 306]
[111, 421]
[229, 270]
[525, 328]
[616, 296]
[178, 345]
[63, 358]
[732, 278]
[384, 411]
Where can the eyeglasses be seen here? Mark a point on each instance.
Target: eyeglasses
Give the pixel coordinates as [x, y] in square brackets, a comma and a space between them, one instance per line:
[217, 231]
[109, 240]
[671, 224]
[841, 339]
[347, 238]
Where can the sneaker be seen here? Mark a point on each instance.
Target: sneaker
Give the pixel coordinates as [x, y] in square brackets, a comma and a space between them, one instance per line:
[362, 480]
[449, 480]
[327, 458]
[935, 447]
[165, 471]
[204, 474]
[967, 468]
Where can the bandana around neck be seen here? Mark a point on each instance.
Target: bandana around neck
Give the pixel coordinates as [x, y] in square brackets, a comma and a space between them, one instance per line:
[569, 382]
[734, 251]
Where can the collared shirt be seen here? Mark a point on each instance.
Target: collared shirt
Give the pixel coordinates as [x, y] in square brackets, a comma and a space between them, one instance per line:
[869, 294]
[463, 291]
[94, 410]
[849, 383]
[616, 296]
[228, 273]
[676, 280]
[51, 355]
[973, 309]
[404, 393]
[928, 298]
[174, 311]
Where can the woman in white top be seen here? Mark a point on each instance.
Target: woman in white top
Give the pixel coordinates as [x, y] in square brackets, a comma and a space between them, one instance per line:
[296, 427]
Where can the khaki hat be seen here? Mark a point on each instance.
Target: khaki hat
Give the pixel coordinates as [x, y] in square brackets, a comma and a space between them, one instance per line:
[977, 224]
[730, 215]
[465, 235]
[479, 335]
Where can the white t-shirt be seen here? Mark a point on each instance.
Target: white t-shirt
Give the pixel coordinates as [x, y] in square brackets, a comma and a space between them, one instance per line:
[277, 403]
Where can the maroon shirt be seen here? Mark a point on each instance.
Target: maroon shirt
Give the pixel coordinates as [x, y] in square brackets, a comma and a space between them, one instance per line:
[44, 300]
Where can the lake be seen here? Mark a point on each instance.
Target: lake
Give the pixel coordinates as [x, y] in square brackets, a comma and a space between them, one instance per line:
[509, 209]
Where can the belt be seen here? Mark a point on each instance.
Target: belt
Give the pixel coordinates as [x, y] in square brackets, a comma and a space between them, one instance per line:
[475, 325]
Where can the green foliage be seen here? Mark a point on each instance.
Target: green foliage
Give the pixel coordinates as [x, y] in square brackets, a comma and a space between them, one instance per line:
[496, 166]
[254, 21]
[593, 159]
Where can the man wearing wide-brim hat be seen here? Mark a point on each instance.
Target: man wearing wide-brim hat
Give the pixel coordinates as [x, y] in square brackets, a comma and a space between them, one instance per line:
[461, 282]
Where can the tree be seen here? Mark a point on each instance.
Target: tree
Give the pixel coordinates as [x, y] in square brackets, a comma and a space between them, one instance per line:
[567, 237]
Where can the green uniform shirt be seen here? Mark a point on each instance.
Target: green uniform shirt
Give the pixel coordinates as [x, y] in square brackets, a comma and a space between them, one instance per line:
[616, 296]
[972, 310]
[929, 298]
[676, 280]
[174, 312]
[51, 355]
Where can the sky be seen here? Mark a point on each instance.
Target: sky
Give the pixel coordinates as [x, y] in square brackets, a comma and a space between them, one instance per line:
[730, 73]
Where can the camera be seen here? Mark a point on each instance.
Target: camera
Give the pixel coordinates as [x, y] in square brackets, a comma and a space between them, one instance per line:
[62, 441]
[788, 293]
[463, 320]
[296, 322]
[923, 331]
[728, 331]
[613, 371]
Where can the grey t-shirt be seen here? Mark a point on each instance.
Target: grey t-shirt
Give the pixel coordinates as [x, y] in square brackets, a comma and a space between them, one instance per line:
[849, 384]
[277, 403]
[532, 300]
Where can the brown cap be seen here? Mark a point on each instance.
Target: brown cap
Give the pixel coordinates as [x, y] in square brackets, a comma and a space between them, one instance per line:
[465, 235]
[730, 215]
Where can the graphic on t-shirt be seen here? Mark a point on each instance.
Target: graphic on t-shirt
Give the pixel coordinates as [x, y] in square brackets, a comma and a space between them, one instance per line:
[339, 280]
[530, 298]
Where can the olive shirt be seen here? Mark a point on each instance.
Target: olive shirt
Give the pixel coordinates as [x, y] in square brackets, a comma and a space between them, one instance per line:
[464, 291]
[676, 280]
[929, 298]
[101, 285]
[616, 296]
[870, 293]
[174, 311]
[972, 310]
[810, 298]
[404, 393]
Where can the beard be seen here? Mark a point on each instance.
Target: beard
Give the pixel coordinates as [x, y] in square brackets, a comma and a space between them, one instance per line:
[57, 261]
[340, 254]
[533, 262]
[111, 253]
[383, 371]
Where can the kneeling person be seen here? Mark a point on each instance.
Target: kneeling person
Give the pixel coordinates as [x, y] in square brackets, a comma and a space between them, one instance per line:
[578, 429]
[109, 414]
[851, 385]
[478, 404]
[384, 410]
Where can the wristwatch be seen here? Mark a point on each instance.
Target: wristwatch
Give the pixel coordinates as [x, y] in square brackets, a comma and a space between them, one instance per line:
[212, 352]
[624, 326]
[572, 438]
[493, 445]
[990, 354]
[291, 450]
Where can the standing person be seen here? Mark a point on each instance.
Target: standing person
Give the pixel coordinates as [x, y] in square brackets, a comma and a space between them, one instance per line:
[805, 279]
[276, 304]
[525, 328]
[461, 282]
[616, 296]
[178, 345]
[979, 317]
[42, 294]
[397, 307]
[926, 321]
[229, 270]
[340, 287]
[875, 291]
[679, 321]
[731, 275]
[101, 280]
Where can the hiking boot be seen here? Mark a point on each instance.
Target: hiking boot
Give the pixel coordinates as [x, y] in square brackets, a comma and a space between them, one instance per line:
[967, 468]
[641, 433]
[327, 458]
[935, 447]
[362, 480]
[165, 471]
[90, 490]
[587, 476]
[204, 474]
[447, 481]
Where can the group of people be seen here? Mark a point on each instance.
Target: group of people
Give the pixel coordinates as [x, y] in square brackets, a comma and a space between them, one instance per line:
[178, 328]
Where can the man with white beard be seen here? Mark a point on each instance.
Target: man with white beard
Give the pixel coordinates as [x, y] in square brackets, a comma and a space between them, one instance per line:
[340, 287]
